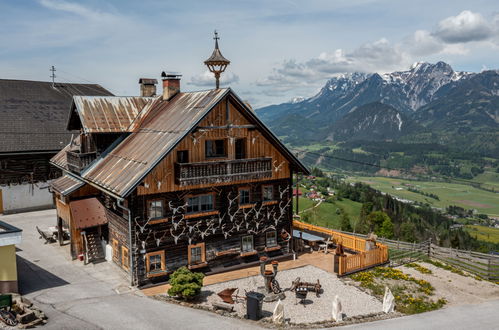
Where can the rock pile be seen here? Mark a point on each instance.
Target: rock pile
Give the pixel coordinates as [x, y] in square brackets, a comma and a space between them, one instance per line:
[26, 313]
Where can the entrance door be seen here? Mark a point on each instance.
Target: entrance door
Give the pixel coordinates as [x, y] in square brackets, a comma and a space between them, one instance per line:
[1, 202]
[240, 149]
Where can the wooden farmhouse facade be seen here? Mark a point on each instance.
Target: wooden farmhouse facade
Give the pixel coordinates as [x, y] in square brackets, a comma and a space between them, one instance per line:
[181, 179]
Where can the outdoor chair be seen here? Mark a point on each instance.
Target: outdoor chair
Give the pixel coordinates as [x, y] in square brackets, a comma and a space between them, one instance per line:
[325, 246]
[48, 237]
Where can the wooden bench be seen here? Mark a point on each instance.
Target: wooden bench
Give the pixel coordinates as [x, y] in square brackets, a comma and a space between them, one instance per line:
[46, 236]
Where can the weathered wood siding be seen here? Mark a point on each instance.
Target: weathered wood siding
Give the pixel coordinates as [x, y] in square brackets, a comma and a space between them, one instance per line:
[162, 178]
[118, 230]
[158, 236]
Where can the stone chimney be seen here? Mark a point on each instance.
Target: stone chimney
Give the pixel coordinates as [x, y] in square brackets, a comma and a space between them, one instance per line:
[147, 87]
[171, 85]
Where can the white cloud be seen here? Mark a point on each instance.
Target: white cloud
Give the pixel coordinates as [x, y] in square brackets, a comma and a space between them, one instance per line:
[465, 27]
[207, 79]
[77, 9]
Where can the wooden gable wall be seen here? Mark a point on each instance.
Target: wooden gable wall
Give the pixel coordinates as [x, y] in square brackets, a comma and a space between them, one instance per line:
[162, 178]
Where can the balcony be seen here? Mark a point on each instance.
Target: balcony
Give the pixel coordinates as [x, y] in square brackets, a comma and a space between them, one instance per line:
[77, 162]
[188, 174]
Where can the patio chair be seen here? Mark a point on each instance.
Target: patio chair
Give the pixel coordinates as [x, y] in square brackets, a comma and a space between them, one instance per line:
[325, 246]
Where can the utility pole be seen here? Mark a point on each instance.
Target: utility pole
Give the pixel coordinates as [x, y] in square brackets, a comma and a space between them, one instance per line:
[52, 69]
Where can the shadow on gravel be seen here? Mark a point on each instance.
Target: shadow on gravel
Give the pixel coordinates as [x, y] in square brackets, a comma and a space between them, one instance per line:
[33, 278]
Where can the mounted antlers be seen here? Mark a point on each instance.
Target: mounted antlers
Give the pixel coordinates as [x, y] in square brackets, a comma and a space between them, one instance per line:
[278, 167]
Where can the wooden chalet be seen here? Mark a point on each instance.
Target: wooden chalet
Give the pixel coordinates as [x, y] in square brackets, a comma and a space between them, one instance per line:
[33, 117]
[181, 179]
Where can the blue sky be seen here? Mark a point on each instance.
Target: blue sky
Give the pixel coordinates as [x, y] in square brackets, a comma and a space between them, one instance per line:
[278, 49]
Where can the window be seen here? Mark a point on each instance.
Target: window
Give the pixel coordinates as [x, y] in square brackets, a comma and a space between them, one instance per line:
[271, 238]
[116, 251]
[240, 148]
[201, 203]
[196, 254]
[244, 196]
[215, 148]
[125, 258]
[267, 193]
[155, 209]
[155, 263]
[182, 156]
[247, 243]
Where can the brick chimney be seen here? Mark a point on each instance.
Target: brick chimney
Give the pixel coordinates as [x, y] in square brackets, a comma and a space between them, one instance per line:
[171, 85]
[147, 87]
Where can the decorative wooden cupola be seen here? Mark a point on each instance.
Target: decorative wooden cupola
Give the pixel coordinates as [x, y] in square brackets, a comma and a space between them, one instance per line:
[217, 63]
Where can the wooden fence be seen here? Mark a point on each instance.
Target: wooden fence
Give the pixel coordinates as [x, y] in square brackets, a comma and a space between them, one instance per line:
[400, 252]
[362, 259]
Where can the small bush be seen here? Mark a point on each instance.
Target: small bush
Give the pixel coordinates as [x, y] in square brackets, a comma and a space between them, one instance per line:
[185, 284]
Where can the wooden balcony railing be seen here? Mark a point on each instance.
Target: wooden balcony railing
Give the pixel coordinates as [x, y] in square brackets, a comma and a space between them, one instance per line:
[77, 162]
[223, 171]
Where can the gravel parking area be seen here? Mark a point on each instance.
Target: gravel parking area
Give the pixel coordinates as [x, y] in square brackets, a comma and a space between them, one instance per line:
[315, 309]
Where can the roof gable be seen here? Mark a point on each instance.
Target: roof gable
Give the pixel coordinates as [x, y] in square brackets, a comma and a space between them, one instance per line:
[157, 131]
[105, 114]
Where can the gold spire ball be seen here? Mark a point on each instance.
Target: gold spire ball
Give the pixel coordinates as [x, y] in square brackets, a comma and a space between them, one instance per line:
[217, 63]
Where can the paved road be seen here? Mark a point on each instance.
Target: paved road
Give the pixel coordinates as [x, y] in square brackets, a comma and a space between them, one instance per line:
[478, 316]
[86, 297]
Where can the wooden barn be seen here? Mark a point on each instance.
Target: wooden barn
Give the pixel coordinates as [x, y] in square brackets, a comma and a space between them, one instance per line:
[181, 179]
[33, 117]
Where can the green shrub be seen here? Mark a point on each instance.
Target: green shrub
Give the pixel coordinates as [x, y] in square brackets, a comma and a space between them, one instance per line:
[185, 284]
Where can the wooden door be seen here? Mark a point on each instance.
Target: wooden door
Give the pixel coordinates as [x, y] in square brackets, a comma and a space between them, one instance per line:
[240, 149]
[1, 202]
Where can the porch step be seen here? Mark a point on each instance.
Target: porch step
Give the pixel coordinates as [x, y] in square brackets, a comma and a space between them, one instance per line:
[95, 249]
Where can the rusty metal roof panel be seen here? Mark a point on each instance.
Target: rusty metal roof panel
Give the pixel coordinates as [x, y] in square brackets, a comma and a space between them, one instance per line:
[66, 184]
[107, 114]
[164, 125]
[87, 213]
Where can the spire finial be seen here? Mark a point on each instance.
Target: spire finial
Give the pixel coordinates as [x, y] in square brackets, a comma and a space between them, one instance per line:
[216, 37]
[217, 63]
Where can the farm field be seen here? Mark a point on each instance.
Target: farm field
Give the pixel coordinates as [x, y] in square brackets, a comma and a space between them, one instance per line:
[488, 179]
[449, 193]
[483, 233]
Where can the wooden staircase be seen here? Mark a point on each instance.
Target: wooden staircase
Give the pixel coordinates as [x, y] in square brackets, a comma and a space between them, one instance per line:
[94, 251]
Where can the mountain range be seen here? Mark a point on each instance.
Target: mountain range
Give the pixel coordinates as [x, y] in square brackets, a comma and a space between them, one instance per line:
[428, 103]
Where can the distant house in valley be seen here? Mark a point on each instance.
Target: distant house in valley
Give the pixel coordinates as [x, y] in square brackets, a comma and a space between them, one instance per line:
[181, 179]
[33, 117]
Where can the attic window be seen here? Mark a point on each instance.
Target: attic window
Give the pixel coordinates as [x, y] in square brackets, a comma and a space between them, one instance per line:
[215, 149]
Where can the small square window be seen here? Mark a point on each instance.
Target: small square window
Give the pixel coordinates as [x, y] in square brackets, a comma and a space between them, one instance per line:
[196, 254]
[244, 196]
[271, 238]
[201, 203]
[267, 193]
[215, 148]
[247, 243]
[154, 263]
[156, 209]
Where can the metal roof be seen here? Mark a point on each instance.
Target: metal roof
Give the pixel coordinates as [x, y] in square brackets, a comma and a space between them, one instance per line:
[33, 114]
[108, 114]
[87, 213]
[60, 158]
[165, 124]
[66, 184]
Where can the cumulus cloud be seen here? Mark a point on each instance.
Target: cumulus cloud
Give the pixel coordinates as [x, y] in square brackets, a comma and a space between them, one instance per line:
[207, 79]
[370, 57]
[465, 27]
[449, 37]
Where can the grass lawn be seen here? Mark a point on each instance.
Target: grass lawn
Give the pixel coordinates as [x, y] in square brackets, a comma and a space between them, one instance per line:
[483, 233]
[325, 214]
[449, 193]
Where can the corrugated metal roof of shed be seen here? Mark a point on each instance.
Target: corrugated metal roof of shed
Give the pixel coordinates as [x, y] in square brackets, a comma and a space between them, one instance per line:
[109, 114]
[165, 124]
[66, 184]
